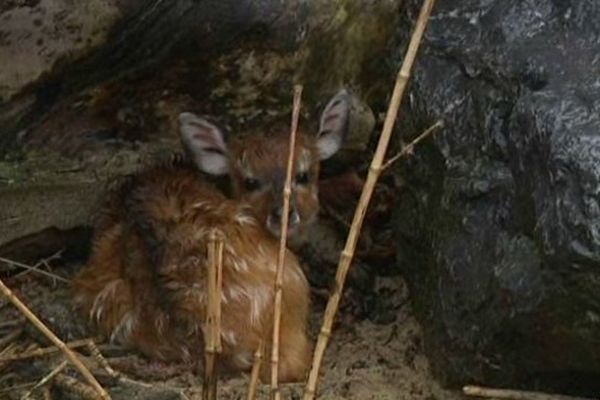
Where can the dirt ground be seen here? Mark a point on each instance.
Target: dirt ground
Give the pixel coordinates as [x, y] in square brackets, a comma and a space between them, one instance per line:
[365, 360]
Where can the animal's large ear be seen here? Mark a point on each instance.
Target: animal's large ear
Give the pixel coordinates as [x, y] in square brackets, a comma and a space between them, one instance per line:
[333, 124]
[205, 142]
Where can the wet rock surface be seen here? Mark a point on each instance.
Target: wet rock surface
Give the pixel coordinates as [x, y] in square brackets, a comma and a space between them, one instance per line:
[500, 220]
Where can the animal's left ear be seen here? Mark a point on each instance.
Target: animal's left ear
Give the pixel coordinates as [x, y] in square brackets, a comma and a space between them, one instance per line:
[334, 124]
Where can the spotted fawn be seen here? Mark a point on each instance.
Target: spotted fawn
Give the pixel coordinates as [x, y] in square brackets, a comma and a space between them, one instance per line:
[144, 285]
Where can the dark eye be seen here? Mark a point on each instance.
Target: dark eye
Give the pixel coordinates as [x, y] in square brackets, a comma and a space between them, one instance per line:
[302, 178]
[251, 184]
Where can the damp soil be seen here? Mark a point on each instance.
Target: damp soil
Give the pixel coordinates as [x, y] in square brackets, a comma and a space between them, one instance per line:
[365, 359]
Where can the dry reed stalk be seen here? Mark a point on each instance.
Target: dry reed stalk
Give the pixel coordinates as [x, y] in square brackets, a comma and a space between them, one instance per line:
[103, 363]
[10, 337]
[11, 349]
[510, 394]
[409, 148]
[287, 191]
[368, 188]
[54, 339]
[258, 357]
[42, 262]
[97, 355]
[11, 322]
[45, 350]
[57, 370]
[35, 268]
[17, 388]
[213, 316]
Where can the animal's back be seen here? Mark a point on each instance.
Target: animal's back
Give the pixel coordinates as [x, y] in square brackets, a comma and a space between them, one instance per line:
[144, 284]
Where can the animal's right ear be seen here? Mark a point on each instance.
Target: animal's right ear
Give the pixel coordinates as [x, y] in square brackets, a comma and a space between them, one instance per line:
[205, 142]
[334, 124]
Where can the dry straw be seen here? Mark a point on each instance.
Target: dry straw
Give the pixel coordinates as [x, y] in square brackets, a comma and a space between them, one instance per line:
[374, 172]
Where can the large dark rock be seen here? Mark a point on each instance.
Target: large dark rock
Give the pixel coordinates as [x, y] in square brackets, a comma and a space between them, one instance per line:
[500, 230]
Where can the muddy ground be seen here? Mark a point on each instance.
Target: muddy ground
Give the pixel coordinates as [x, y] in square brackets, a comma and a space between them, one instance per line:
[365, 359]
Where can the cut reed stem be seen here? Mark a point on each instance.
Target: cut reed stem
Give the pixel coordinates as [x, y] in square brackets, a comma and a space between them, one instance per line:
[511, 394]
[71, 356]
[258, 357]
[368, 188]
[287, 191]
[213, 316]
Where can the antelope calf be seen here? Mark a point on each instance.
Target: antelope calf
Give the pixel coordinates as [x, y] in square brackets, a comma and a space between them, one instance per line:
[144, 285]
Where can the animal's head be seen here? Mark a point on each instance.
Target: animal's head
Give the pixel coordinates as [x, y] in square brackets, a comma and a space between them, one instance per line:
[257, 163]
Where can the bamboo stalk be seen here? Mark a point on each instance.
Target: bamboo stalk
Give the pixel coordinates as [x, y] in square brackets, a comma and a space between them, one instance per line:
[54, 339]
[213, 315]
[258, 357]
[511, 394]
[359, 214]
[287, 191]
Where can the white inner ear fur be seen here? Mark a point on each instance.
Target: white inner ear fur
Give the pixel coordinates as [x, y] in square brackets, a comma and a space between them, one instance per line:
[333, 124]
[206, 143]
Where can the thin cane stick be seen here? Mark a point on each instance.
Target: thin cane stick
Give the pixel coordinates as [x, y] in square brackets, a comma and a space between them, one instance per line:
[46, 350]
[54, 339]
[213, 315]
[287, 191]
[511, 394]
[57, 370]
[372, 177]
[409, 148]
[258, 357]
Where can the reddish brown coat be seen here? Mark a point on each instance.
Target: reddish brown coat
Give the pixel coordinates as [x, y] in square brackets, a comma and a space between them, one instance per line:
[145, 283]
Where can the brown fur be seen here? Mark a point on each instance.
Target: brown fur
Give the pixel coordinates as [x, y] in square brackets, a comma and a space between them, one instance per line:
[265, 157]
[145, 283]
